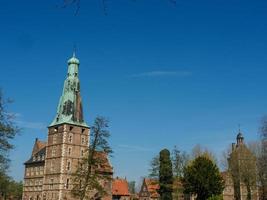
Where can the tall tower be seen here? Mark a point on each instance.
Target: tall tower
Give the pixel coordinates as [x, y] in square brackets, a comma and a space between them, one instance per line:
[68, 138]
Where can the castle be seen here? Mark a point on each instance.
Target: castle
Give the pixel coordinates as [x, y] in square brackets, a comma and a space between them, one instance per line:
[48, 171]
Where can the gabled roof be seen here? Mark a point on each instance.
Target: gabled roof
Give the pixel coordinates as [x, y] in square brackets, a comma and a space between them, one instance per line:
[38, 152]
[38, 145]
[120, 187]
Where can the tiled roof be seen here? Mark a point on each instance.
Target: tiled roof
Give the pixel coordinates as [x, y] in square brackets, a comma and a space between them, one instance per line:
[120, 187]
[105, 165]
[38, 152]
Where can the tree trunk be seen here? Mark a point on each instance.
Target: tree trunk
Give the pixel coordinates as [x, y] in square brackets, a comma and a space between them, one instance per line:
[248, 192]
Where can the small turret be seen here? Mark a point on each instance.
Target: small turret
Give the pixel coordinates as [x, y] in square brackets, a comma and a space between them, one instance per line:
[239, 139]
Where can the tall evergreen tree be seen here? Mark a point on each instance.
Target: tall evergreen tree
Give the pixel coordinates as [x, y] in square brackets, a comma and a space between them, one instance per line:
[202, 178]
[165, 175]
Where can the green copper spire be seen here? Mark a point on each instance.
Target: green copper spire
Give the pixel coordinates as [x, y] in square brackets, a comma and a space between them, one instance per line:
[70, 104]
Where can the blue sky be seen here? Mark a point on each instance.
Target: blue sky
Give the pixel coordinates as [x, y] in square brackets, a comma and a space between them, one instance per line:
[164, 75]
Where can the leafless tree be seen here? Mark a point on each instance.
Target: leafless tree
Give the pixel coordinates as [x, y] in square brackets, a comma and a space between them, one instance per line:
[242, 167]
[77, 4]
[91, 176]
[199, 150]
[262, 159]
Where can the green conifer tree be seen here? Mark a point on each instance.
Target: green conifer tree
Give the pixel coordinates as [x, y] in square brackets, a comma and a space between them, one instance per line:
[165, 175]
[202, 178]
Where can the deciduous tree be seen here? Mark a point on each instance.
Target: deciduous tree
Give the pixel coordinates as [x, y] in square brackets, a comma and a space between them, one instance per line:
[179, 161]
[89, 179]
[8, 131]
[242, 167]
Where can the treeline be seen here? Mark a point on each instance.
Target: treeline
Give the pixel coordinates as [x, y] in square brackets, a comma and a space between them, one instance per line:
[198, 173]
[245, 163]
[10, 189]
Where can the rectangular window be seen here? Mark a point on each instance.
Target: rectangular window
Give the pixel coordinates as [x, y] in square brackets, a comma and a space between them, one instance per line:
[69, 151]
[82, 152]
[67, 184]
[27, 171]
[83, 140]
[51, 183]
[32, 172]
[53, 151]
[54, 139]
[68, 165]
[52, 166]
[70, 138]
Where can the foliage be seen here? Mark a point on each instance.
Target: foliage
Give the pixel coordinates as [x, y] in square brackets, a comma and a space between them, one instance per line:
[154, 168]
[8, 131]
[179, 161]
[242, 166]
[88, 179]
[165, 175]
[131, 186]
[216, 197]
[202, 177]
[198, 150]
[9, 188]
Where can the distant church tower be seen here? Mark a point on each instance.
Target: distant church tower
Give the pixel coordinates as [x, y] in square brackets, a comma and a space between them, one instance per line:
[68, 137]
[48, 171]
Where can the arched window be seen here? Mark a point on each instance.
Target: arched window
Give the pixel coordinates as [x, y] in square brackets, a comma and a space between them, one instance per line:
[69, 151]
[70, 138]
[83, 140]
[82, 152]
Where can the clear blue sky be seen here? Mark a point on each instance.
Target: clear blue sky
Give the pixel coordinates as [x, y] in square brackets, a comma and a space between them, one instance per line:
[164, 75]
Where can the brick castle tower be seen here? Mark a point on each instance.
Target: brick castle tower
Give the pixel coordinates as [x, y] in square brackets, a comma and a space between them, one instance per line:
[48, 171]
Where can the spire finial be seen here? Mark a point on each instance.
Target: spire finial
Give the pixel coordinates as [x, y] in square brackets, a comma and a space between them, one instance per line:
[239, 128]
[74, 51]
